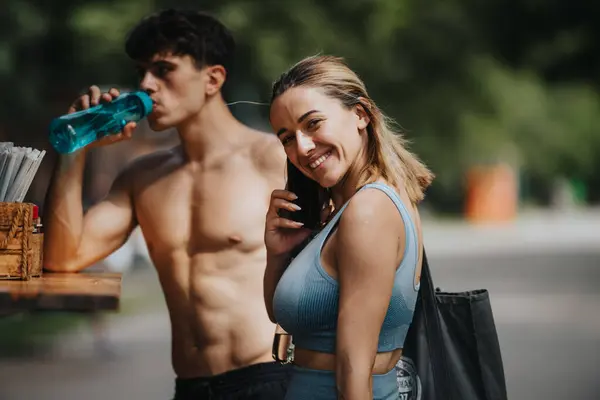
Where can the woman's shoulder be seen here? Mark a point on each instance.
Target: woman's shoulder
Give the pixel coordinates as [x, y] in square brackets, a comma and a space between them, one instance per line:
[372, 210]
[369, 228]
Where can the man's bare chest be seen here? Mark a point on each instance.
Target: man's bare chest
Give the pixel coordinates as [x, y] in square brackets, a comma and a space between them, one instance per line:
[204, 212]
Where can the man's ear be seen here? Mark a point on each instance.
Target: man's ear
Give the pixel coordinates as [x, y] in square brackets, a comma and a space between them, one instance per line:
[216, 75]
[362, 116]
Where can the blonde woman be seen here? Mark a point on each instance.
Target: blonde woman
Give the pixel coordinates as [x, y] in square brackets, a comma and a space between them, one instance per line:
[348, 296]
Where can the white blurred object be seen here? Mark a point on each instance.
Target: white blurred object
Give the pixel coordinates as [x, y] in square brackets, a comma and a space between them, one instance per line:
[125, 257]
[563, 195]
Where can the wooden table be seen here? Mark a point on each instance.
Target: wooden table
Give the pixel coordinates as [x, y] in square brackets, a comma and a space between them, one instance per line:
[83, 291]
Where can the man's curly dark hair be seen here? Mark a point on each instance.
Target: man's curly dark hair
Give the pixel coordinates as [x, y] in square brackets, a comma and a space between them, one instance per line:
[182, 32]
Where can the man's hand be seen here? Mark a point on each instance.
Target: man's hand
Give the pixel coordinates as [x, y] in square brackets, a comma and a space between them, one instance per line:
[93, 98]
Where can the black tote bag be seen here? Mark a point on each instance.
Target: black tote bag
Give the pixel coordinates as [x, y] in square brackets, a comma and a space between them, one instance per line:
[451, 351]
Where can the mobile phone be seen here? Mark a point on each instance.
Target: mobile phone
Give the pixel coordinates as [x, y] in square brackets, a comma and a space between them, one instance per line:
[309, 199]
[309, 214]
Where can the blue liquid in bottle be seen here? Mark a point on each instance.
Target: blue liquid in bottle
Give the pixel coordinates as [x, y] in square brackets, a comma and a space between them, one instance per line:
[71, 132]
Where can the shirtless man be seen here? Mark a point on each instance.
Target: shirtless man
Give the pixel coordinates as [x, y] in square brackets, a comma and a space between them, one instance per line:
[201, 207]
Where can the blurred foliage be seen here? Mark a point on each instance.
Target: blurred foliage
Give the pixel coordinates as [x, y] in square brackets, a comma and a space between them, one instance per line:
[471, 82]
[27, 334]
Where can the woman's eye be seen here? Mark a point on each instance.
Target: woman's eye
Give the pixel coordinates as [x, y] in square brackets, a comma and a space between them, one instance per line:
[287, 139]
[312, 124]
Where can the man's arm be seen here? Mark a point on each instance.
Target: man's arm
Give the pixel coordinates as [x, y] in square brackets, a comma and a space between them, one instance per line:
[271, 159]
[72, 240]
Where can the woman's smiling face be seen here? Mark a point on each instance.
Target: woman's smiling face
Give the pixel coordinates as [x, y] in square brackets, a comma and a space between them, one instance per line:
[321, 137]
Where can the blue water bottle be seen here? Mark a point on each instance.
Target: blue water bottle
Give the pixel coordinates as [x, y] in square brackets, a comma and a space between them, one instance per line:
[71, 132]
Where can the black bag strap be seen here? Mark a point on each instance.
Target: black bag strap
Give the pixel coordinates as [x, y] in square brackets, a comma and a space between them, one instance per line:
[435, 340]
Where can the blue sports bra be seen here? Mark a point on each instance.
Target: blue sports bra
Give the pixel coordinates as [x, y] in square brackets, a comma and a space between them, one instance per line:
[306, 298]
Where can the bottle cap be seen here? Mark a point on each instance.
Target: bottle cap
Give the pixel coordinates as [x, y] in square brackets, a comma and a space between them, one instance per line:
[147, 102]
[36, 212]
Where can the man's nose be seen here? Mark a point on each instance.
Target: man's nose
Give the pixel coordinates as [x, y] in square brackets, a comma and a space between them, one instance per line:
[148, 83]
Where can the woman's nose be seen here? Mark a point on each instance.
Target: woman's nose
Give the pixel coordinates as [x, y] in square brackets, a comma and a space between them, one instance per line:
[304, 143]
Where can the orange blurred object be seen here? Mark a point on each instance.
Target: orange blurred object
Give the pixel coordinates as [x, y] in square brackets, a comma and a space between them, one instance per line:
[492, 194]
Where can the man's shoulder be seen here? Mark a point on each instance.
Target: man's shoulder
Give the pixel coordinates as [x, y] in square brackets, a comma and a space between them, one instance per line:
[267, 152]
[150, 164]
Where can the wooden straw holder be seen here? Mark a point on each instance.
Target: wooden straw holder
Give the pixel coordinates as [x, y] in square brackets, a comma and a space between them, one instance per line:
[21, 250]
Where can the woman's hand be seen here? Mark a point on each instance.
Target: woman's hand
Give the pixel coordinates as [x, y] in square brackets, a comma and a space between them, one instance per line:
[281, 234]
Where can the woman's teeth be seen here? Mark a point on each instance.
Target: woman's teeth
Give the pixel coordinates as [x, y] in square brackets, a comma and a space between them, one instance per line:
[320, 160]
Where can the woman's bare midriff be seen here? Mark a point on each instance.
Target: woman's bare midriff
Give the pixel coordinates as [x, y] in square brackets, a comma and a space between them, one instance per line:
[384, 362]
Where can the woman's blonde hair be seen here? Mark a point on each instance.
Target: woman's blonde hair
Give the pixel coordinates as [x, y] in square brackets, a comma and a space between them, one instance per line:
[387, 155]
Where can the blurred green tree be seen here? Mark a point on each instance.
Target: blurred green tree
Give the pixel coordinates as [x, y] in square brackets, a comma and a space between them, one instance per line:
[470, 82]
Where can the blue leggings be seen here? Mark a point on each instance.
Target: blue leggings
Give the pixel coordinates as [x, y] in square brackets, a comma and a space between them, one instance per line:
[312, 384]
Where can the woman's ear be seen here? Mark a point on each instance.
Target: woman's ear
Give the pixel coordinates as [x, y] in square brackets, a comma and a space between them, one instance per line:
[362, 116]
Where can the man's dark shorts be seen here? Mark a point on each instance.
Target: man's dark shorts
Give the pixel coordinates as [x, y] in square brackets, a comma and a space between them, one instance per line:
[266, 381]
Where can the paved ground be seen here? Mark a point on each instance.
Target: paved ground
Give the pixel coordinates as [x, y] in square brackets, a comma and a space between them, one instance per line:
[543, 274]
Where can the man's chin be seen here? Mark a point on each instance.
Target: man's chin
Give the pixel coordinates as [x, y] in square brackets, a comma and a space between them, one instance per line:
[157, 126]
